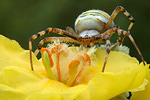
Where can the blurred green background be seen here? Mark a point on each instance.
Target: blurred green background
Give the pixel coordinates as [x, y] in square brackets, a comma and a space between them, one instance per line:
[19, 19]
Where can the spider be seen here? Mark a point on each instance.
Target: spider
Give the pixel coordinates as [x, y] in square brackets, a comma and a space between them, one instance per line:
[92, 26]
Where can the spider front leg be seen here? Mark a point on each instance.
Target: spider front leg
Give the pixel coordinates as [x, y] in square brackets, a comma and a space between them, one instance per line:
[127, 33]
[118, 42]
[52, 39]
[107, 51]
[104, 36]
[110, 32]
[54, 30]
[114, 14]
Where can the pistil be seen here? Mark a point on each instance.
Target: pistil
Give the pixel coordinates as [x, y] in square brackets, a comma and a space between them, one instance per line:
[77, 67]
[47, 62]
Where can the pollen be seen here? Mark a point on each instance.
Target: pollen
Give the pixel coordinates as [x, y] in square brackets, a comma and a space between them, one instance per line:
[64, 65]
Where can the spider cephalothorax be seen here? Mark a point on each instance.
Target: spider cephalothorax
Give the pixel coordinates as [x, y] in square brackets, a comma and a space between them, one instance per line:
[92, 26]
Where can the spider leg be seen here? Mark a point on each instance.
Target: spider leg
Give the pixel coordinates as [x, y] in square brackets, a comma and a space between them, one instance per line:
[127, 33]
[119, 41]
[107, 50]
[106, 37]
[48, 30]
[52, 39]
[103, 36]
[114, 14]
[69, 29]
[133, 42]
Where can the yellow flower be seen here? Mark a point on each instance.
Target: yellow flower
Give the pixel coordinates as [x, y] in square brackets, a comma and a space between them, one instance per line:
[17, 82]
[145, 93]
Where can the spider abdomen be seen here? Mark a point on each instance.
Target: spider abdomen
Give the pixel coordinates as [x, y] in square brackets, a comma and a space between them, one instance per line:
[92, 20]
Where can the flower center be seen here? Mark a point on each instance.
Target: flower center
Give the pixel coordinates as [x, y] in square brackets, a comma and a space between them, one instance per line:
[65, 66]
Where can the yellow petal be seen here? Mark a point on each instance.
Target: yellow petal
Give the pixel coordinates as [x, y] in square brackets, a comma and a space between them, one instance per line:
[18, 82]
[145, 94]
[12, 54]
[9, 93]
[122, 74]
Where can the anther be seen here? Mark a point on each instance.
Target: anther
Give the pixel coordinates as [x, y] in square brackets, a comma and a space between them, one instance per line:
[84, 57]
[73, 68]
[87, 58]
[59, 50]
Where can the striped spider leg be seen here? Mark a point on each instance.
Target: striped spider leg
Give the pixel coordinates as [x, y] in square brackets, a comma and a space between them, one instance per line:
[48, 30]
[80, 40]
[52, 39]
[92, 26]
[112, 17]
[107, 35]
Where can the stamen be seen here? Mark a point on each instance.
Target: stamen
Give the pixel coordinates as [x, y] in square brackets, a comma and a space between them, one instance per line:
[85, 58]
[73, 68]
[47, 62]
[76, 68]
[59, 50]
